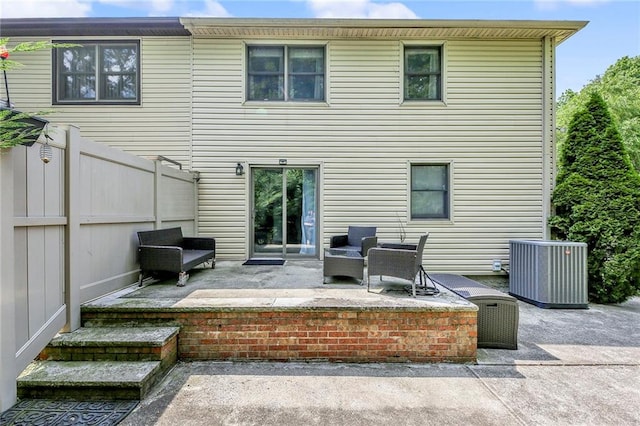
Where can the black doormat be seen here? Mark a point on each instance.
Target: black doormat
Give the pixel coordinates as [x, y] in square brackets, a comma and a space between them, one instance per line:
[52, 413]
[264, 262]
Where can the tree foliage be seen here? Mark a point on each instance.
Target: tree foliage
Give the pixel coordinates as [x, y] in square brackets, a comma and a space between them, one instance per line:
[620, 88]
[597, 201]
[15, 127]
[27, 46]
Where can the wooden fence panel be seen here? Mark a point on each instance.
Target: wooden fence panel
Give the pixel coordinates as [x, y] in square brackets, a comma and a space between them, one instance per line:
[116, 198]
[38, 248]
[176, 200]
[69, 235]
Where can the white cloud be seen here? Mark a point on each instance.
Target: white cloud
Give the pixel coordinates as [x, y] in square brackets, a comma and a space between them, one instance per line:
[554, 4]
[81, 8]
[360, 9]
[211, 8]
[162, 5]
[214, 8]
[152, 7]
[585, 2]
[44, 8]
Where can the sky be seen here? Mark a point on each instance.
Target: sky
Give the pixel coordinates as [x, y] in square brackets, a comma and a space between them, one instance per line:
[612, 33]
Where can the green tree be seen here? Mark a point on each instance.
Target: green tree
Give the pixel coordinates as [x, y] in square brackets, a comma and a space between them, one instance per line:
[597, 201]
[620, 88]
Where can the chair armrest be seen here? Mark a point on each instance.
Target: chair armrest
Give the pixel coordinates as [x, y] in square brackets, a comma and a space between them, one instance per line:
[399, 246]
[367, 243]
[338, 241]
[199, 243]
[160, 258]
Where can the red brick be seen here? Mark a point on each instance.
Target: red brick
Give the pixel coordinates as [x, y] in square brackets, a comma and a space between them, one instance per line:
[373, 335]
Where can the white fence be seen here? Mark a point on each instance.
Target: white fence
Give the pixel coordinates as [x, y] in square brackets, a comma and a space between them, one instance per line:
[68, 235]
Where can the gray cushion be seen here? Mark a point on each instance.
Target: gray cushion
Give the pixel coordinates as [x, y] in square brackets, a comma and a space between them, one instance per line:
[161, 237]
[357, 233]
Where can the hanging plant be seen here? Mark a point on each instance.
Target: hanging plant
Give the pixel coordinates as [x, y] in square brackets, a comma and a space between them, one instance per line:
[17, 127]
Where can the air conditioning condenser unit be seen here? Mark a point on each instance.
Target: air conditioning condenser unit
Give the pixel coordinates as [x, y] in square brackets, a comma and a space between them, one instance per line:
[549, 274]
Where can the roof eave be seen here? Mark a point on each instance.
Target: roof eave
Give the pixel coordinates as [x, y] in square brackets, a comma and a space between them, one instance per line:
[267, 27]
[76, 27]
[240, 27]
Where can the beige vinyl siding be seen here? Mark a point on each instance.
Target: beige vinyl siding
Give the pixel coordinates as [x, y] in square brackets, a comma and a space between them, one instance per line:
[364, 138]
[161, 125]
[490, 130]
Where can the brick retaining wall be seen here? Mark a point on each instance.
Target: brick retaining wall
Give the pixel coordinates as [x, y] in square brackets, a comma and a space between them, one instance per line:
[346, 335]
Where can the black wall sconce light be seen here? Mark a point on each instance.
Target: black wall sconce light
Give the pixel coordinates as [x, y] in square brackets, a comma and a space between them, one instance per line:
[239, 169]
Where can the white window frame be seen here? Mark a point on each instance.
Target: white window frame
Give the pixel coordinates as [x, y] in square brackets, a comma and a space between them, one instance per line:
[286, 45]
[98, 45]
[449, 202]
[443, 73]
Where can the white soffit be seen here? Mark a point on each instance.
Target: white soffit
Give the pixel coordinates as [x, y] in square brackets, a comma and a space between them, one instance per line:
[379, 29]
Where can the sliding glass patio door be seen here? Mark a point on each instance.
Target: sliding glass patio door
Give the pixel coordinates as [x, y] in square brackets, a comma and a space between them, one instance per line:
[284, 208]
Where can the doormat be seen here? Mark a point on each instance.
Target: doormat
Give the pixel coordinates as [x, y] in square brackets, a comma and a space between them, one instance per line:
[264, 262]
[63, 412]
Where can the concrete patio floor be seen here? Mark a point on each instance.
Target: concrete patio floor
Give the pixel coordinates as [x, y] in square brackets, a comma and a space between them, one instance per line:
[571, 367]
[297, 282]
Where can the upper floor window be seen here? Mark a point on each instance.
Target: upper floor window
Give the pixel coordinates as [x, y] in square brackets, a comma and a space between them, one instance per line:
[422, 73]
[97, 73]
[285, 73]
[429, 191]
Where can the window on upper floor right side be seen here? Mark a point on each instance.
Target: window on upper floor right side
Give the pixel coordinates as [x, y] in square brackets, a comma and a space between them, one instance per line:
[422, 73]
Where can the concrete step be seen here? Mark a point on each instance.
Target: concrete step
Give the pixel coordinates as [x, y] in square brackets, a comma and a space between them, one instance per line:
[84, 380]
[114, 344]
[88, 336]
[101, 363]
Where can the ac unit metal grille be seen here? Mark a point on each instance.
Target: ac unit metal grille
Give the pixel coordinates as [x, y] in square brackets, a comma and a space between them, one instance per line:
[549, 274]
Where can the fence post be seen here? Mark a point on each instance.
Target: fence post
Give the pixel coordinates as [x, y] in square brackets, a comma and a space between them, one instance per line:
[8, 373]
[73, 258]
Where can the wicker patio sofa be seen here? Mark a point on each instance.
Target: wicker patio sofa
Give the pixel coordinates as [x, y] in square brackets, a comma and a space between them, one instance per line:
[498, 312]
[167, 250]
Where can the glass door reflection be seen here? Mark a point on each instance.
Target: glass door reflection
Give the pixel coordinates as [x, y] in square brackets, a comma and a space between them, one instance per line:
[284, 212]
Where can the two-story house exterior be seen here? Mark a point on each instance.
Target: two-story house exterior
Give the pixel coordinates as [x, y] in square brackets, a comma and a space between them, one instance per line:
[301, 127]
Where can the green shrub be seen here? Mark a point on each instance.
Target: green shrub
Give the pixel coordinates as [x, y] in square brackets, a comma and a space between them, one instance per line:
[597, 201]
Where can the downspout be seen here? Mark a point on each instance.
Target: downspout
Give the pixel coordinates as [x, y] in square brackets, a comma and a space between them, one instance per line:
[548, 130]
[196, 186]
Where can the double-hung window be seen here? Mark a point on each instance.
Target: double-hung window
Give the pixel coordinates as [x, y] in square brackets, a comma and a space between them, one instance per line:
[285, 73]
[104, 72]
[429, 191]
[422, 73]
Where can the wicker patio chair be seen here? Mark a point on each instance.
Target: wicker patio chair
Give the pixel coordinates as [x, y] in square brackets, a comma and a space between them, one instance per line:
[358, 238]
[398, 260]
